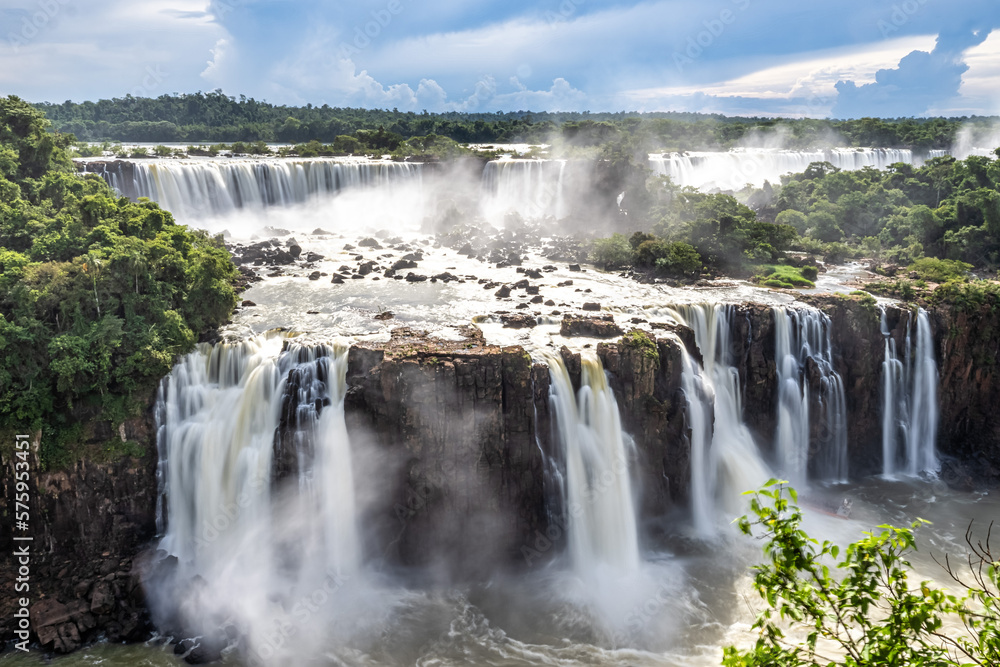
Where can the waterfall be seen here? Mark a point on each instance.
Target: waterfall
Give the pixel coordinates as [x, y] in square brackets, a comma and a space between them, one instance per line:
[909, 401]
[598, 500]
[725, 460]
[731, 170]
[191, 189]
[220, 414]
[531, 188]
[802, 347]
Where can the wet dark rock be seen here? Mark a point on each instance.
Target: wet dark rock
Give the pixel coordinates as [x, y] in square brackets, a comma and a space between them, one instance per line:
[503, 292]
[592, 306]
[466, 250]
[575, 267]
[384, 315]
[404, 263]
[413, 257]
[313, 257]
[591, 327]
[446, 277]
[513, 259]
[319, 231]
[565, 283]
[370, 243]
[348, 247]
[357, 276]
[415, 278]
[518, 320]
[536, 299]
[247, 303]
[533, 273]
[366, 268]
[550, 302]
[337, 279]
[315, 275]
[531, 289]
[521, 284]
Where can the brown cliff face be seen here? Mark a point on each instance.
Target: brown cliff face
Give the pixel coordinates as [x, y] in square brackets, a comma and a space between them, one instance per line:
[968, 347]
[454, 427]
[646, 378]
[88, 523]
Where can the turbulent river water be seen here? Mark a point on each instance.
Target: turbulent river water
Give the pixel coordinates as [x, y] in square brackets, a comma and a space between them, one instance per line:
[614, 597]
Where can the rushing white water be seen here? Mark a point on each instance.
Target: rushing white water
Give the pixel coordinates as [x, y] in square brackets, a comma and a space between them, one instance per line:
[731, 170]
[802, 342]
[598, 500]
[530, 188]
[196, 188]
[731, 464]
[909, 401]
[257, 546]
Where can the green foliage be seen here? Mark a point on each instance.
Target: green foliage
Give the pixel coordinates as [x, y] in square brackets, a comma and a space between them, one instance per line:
[787, 277]
[859, 606]
[613, 252]
[98, 295]
[217, 117]
[940, 270]
[641, 342]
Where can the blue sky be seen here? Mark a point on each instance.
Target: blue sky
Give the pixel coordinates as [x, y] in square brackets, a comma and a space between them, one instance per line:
[845, 58]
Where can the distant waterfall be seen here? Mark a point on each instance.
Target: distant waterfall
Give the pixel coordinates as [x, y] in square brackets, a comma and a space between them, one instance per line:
[909, 401]
[219, 416]
[531, 188]
[725, 461]
[731, 170]
[598, 500]
[197, 188]
[802, 345]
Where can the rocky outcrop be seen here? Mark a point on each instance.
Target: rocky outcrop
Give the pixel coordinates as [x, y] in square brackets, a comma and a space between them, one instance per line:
[646, 376]
[88, 522]
[968, 345]
[462, 483]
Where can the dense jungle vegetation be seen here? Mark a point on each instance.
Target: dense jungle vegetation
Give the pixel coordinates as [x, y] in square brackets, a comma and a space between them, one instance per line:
[215, 117]
[98, 294]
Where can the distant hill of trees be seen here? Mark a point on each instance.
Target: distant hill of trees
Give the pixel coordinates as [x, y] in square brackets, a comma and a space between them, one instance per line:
[216, 117]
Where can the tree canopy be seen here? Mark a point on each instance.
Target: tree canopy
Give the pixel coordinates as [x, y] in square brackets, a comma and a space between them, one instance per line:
[98, 294]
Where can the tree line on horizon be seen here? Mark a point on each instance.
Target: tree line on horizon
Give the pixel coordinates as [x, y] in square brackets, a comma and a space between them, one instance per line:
[216, 117]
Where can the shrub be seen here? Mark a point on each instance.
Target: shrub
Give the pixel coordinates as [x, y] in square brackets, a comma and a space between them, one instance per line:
[871, 613]
[613, 252]
[940, 270]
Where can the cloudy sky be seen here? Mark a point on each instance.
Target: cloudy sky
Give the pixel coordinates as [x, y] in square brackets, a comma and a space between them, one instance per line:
[841, 58]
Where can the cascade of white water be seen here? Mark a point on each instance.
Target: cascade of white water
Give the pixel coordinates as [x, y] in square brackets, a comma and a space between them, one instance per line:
[731, 464]
[219, 412]
[909, 401]
[802, 342]
[531, 188]
[197, 188]
[733, 169]
[895, 403]
[598, 500]
[922, 434]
